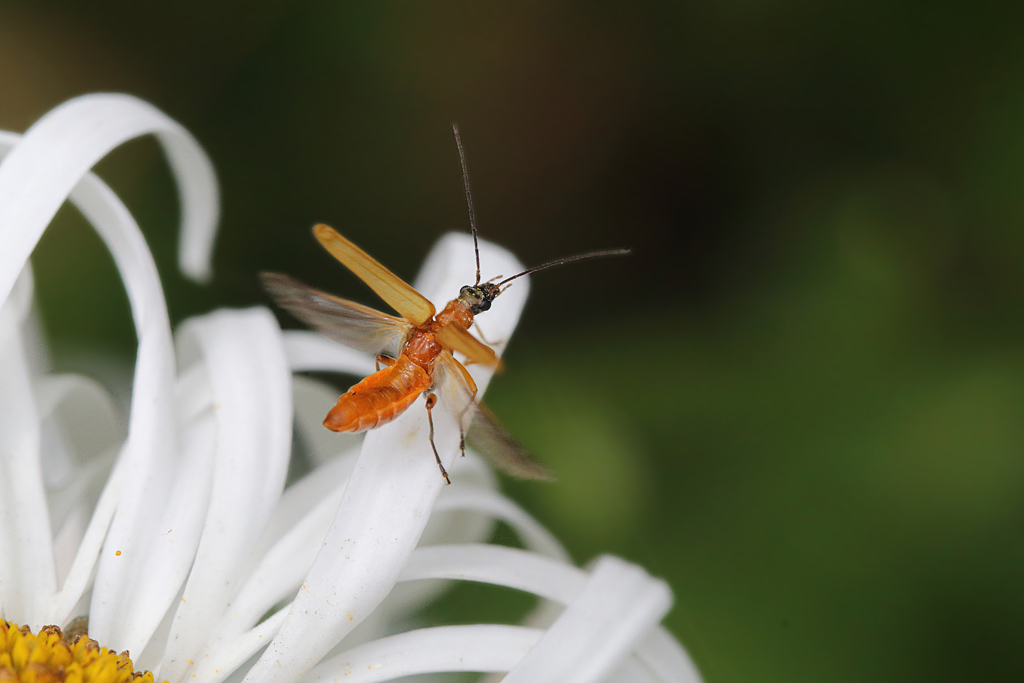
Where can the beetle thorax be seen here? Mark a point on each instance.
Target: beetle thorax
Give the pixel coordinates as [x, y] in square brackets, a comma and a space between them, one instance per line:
[423, 348]
[457, 312]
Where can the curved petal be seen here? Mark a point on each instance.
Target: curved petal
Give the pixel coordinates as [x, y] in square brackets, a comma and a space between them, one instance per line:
[81, 433]
[48, 164]
[63, 145]
[309, 351]
[245, 359]
[280, 570]
[312, 400]
[665, 657]
[24, 286]
[498, 565]
[482, 647]
[27, 572]
[660, 654]
[231, 655]
[176, 530]
[389, 496]
[634, 671]
[301, 497]
[532, 533]
[457, 524]
[619, 605]
[299, 525]
[88, 421]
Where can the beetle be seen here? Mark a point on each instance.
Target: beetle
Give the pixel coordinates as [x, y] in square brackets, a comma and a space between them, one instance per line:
[415, 349]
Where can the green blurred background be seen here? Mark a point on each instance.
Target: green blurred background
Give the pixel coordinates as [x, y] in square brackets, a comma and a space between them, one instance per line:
[800, 400]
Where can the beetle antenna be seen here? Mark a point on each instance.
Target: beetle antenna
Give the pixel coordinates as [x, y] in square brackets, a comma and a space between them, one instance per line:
[567, 259]
[469, 200]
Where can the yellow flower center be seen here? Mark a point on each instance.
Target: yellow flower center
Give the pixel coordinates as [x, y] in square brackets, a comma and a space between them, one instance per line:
[51, 657]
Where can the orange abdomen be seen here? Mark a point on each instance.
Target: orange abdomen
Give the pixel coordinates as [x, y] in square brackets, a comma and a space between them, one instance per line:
[379, 398]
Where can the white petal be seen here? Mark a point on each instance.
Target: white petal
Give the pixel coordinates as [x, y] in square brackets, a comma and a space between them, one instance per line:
[440, 649]
[182, 522]
[280, 572]
[175, 534]
[492, 503]
[312, 401]
[663, 655]
[151, 449]
[62, 146]
[301, 497]
[289, 543]
[448, 525]
[229, 656]
[390, 495]
[498, 565]
[245, 359]
[658, 652]
[301, 520]
[27, 573]
[24, 286]
[80, 496]
[87, 418]
[457, 524]
[33, 342]
[310, 351]
[36, 177]
[194, 394]
[68, 539]
[79, 575]
[634, 671]
[619, 605]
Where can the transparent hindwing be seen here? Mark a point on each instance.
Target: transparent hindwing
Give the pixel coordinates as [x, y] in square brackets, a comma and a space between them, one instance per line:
[354, 325]
[457, 392]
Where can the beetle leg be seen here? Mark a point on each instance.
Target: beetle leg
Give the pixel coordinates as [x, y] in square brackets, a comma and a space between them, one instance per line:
[385, 360]
[431, 400]
[480, 333]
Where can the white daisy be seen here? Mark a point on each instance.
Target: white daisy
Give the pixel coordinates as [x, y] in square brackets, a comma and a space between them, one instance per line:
[179, 540]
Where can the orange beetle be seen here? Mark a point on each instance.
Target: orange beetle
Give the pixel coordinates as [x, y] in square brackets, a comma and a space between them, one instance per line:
[416, 348]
